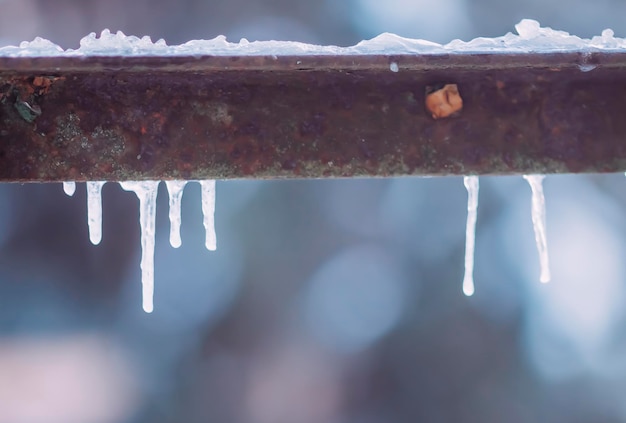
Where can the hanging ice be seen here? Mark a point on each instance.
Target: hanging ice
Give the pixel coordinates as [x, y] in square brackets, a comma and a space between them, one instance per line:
[175, 191]
[147, 193]
[69, 188]
[539, 223]
[94, 211]
[208, 211]
[471, 183]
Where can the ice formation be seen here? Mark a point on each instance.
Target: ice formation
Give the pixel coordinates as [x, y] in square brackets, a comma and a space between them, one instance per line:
[208, 211]
[69, 188]
[94, 211]
[531, 38]
[471, 184]
[539, 223]
[175, 191]
[146, 193]
[585, 66]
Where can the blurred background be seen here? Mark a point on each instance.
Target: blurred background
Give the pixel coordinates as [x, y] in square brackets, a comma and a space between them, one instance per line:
[330, 301]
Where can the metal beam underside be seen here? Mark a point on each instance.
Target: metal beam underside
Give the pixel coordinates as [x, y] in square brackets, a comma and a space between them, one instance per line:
[220, 117]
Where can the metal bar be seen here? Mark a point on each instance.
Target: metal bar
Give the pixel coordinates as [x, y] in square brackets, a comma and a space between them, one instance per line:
[214, 117]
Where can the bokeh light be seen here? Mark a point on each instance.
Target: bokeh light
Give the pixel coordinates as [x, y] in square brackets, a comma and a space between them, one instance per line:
[356, 297]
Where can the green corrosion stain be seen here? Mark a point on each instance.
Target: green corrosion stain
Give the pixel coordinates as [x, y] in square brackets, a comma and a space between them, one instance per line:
[26, 111]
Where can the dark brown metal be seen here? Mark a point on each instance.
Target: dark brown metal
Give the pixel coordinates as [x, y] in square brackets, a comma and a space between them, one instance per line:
[132, 118]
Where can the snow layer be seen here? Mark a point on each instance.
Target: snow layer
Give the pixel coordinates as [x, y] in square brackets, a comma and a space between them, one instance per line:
[531, 37]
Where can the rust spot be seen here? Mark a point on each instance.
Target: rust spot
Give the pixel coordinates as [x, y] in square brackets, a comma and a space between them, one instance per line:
[41, 85]
[315, 126]
[26, 93]
[212, 117]
[443, 102]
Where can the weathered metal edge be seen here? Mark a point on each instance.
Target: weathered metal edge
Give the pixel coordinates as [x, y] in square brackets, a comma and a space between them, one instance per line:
[147, 117]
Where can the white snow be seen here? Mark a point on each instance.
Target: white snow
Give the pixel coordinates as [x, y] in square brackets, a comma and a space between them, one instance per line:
[393, 67]
[608, 40]
[38, 47]
[94, 211]
[69, 188]
[208, 211]
[471, 184]
[539, 223]
[146, 193]
[531, 38]
[175, 191]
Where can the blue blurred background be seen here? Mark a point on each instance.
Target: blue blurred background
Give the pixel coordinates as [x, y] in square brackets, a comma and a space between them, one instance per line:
[331, 301]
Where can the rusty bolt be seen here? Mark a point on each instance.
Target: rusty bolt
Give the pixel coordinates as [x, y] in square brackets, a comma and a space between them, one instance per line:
[444, 101]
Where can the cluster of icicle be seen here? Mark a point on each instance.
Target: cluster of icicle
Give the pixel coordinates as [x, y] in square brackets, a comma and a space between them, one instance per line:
[531, 37]
[538, 213]
[146, 192]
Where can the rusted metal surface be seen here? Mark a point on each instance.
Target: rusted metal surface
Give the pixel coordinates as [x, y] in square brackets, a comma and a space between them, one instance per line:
[121, 118]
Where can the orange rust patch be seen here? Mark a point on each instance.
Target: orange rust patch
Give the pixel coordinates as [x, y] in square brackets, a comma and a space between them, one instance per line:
[41, 84]
[444, 102]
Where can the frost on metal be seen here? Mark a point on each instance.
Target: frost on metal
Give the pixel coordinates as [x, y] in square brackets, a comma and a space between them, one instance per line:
[530, 37]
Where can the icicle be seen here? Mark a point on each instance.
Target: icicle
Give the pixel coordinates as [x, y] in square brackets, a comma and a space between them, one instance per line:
[471, 183]
[208, 210]
[69, 188]
[147, 193]
[539, 223]
[94, 211]
[175, 191]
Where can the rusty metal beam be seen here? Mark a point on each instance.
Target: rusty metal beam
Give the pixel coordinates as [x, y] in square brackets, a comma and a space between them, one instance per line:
[121, 118]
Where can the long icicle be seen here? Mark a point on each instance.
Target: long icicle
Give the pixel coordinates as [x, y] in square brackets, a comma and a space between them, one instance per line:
[94, 211]
[471, 184]
[539, 223]
[175, 191]
[146, 193]
[208, 210]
